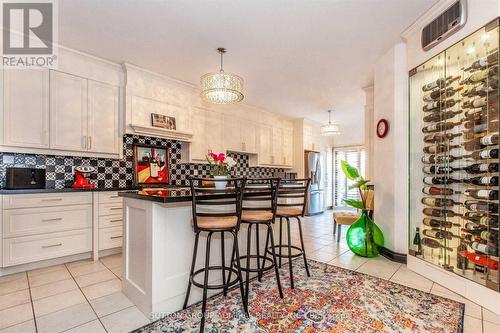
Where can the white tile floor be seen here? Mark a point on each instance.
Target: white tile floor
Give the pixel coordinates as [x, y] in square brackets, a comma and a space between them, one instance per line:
[86, 297]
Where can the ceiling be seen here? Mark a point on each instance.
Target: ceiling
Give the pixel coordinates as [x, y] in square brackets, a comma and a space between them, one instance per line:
[298, 57]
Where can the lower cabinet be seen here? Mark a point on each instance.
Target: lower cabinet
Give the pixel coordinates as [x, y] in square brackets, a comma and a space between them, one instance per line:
[110, 219]
[110, 237]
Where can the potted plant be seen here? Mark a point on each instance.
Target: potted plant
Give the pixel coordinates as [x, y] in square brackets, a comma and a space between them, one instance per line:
[221, 166]
[363, 237]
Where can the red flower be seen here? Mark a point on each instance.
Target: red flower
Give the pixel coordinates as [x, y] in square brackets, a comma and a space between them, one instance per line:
[213, 156]
[221, 157]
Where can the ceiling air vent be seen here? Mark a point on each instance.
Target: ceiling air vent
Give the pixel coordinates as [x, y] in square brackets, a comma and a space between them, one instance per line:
[444, 25]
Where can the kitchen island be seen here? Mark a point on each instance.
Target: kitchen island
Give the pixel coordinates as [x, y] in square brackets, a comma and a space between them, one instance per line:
[158, 247]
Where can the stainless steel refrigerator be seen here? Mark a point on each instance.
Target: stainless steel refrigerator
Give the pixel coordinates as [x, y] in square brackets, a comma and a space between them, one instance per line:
[316, 195]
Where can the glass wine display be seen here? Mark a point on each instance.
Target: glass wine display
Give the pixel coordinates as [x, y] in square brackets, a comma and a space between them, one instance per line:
[454, 173]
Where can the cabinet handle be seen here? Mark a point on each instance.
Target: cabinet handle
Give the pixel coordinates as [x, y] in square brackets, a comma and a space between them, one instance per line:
[115, 237]
[114, 196]
[115, 208]
[117, 220]
[51, 220]
[84, 138]
[53, 245]
[54, 199]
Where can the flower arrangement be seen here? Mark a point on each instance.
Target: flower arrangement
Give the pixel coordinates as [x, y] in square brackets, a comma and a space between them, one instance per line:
[220, 163]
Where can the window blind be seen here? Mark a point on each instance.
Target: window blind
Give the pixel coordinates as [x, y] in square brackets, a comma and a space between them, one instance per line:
[355, 156]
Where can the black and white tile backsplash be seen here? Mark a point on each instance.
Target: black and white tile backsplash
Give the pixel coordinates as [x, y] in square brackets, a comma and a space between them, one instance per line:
[119, 173]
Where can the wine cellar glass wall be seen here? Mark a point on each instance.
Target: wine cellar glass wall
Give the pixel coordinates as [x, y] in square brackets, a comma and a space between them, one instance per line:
[454, 191]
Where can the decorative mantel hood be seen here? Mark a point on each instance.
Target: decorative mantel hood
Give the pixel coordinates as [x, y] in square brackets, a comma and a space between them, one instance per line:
[147, 92]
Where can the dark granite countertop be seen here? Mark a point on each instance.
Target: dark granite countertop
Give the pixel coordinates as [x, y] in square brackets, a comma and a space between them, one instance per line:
[63, 190]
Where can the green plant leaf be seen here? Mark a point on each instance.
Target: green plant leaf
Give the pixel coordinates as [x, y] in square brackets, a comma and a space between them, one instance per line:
[359, 184]
[349, 171]
[354, 203]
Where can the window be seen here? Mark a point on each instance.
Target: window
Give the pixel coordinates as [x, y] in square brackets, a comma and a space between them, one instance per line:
[355, 156]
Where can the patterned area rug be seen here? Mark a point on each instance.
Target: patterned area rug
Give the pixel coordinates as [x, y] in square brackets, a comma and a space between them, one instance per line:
[336, 300]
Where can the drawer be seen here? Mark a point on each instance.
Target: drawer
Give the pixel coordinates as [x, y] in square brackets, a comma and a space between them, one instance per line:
[33, 221]
[109, 197]
[110, 238]
[22, 250]
[110, 209]
[110, 221]
[45, 200]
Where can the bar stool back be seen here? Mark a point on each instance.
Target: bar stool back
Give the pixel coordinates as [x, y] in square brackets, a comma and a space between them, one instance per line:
[292, 199]
[215, 211]
[259, 208]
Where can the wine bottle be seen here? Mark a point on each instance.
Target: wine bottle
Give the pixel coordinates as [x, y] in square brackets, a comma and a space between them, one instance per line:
[480, 75]
[484, 154]
[479, 143]
[484, 219]
[439, 202]
[439, 116]
[484, 248]
[437, 170]
[462, 261]
[433, 223]
[483, 206]
[468, 135]
[440, 83]
[434, 212]
[439, 105]
[439, 158]
[440, 137]
[485, 112]
[417, 242]
[434, 244]
[439, 148]
[480, 101]
[440, 126]
[489, 236]
[482, 180]
[432, 190]
[482, 90]
[439, 234]
[438, 94]
[483, 62]
[439, 180]
[481, 168]
[482, 194]
[472, 227]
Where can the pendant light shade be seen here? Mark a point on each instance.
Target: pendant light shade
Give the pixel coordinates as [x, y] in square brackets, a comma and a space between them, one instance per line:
[221, 87]
[330, 129]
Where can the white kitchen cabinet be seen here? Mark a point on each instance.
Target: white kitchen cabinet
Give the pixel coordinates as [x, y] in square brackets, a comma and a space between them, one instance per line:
[26, 108]
[68, 112]
[265, 145]
[207, 134]
[308, 137]
[103, 111]
[232, 133]
[277, 146]
[287, 147]
[249, 136]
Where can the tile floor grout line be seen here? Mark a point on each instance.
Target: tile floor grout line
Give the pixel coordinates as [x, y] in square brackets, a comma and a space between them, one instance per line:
[31, 301]
[12, 306]
[88, 302]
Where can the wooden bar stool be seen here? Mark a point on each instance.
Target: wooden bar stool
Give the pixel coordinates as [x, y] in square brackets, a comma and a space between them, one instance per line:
[259, 209]
[292, 198]
[341, 218]
[216, 211]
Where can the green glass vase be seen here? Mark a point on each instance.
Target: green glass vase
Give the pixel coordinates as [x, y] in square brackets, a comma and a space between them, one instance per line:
[364, 237]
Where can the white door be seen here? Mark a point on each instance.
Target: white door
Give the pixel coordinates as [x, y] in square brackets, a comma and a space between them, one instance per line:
[277, 155]
[103, 110]
[249, 132]
[266, 138]
[287, 147]
[213, 131]
[26, 108]
[232, 133]
[68, 112]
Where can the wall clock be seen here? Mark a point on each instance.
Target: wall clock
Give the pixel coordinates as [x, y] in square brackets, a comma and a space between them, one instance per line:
[382, 128]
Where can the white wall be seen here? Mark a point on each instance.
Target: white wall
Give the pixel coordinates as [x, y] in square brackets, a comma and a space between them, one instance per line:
[389, 154]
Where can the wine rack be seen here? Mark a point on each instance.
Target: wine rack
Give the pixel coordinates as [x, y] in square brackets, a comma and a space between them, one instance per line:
[454, 165]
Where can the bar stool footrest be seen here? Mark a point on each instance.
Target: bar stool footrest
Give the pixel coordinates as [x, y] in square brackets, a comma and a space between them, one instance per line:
[216, 286]
[285, 255]
[255, 270]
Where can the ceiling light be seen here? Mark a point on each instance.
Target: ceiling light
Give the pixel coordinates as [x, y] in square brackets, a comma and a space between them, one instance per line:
[221, 87]
[330, 129]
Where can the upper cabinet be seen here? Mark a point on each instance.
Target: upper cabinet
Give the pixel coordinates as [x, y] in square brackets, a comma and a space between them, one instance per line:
[240, 135]
[103, 115]
[312, 138]
[276, 145]
[207, 135]
[68, 112]
[26, 108]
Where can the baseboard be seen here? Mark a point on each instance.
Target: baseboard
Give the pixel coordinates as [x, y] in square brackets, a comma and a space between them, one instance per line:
[394, 256]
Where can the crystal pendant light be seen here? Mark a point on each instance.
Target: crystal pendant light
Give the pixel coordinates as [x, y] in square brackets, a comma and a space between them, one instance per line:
[221, 87]
[330, 129]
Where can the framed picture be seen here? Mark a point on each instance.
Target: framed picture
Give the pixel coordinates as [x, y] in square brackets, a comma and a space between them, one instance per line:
[160, 120]
[151, 165]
